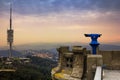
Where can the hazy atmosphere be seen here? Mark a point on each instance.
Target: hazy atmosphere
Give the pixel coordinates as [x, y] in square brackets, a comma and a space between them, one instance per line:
[59, 21]
[59, 39]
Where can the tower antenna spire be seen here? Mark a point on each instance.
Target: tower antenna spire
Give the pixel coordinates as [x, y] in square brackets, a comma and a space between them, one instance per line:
[10, 16]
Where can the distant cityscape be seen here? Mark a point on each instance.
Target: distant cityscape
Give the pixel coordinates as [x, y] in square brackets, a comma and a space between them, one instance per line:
[37, 53]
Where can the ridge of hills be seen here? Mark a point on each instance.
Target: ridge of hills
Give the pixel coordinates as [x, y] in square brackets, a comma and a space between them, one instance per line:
[52, 48]
[49, 46]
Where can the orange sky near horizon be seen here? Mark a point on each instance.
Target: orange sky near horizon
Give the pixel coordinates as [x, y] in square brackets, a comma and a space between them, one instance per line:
[61, 27]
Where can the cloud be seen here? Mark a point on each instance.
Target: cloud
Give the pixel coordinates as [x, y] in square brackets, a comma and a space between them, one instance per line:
[55, 6]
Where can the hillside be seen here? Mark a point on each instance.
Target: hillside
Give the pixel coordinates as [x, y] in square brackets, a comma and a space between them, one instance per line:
[6, 52]
[38, 69]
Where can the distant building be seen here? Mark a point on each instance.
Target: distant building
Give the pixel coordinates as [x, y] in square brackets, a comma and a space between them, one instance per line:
[43, 55]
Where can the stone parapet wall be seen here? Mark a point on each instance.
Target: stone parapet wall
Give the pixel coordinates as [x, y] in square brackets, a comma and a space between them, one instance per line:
[111, 59]
[70, 64]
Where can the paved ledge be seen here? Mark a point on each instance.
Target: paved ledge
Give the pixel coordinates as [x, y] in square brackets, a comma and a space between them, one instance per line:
[111, 75]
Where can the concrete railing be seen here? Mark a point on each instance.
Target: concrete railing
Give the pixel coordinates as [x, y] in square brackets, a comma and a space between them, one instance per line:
[98, 73]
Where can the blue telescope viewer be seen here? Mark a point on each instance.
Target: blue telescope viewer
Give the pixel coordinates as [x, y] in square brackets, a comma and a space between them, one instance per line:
[94, 43]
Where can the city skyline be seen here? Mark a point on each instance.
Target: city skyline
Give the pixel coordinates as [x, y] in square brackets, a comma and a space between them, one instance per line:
[59, 21]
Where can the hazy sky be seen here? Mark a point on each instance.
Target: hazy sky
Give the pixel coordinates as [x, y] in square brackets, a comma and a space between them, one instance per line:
[60, 20]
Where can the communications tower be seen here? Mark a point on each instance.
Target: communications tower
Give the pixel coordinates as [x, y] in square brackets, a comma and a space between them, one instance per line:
[10, 34]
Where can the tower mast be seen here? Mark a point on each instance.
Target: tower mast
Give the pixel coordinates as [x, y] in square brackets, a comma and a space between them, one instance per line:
[10, 34]
[10, 16]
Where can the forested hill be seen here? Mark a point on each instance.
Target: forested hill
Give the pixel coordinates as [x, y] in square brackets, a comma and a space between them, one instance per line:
[38, 69]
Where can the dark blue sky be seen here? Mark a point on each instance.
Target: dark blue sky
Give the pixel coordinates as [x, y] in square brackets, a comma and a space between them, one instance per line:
[53, 6]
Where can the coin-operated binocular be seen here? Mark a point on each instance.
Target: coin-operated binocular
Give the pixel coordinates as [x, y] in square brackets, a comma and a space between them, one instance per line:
[94, 43]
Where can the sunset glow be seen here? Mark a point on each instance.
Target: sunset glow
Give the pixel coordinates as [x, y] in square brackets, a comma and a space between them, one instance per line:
[68, 22]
